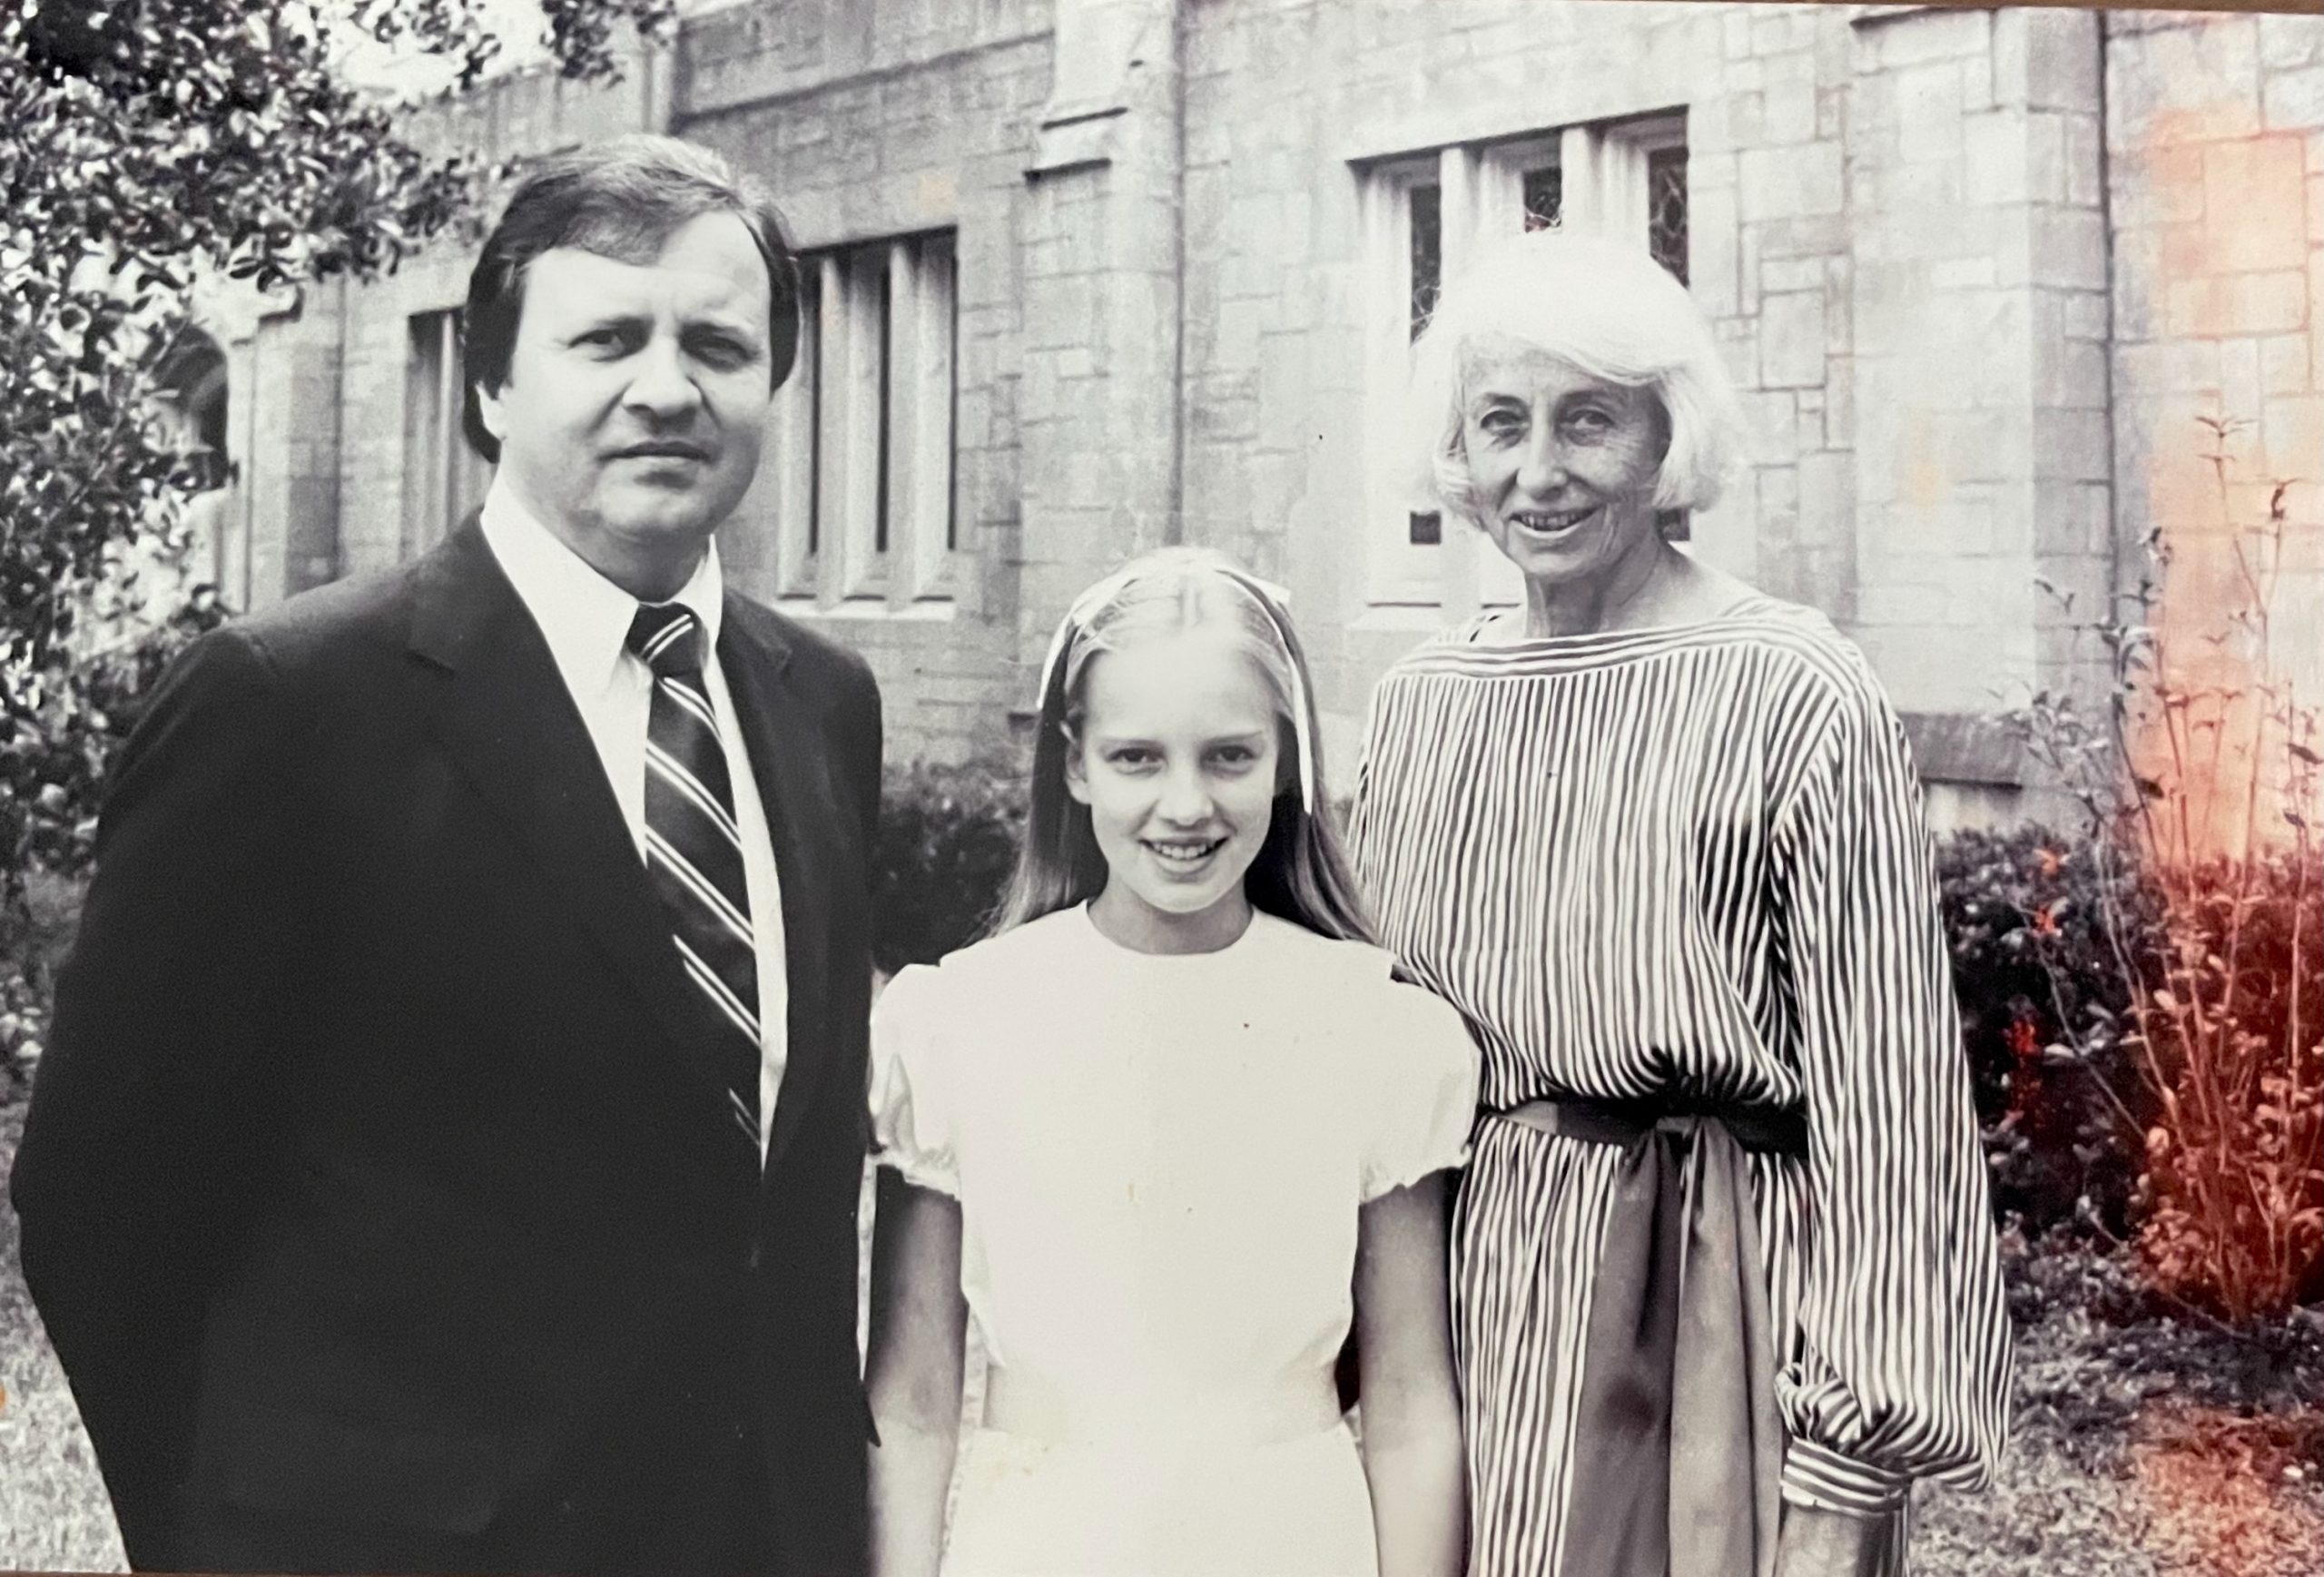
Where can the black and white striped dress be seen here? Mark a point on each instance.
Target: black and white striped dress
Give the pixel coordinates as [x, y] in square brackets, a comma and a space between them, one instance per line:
[1690, 864]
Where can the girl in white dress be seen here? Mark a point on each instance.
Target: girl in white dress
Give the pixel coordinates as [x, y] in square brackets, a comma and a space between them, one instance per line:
[1163, 1136]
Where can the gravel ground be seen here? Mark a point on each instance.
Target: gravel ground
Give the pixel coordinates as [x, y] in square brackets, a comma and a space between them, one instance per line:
[54, 1514]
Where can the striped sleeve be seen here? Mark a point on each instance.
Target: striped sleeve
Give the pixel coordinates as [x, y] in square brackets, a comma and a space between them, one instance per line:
[1904, 1364]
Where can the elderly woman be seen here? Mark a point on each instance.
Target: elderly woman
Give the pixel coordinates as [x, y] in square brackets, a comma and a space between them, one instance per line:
[1726, 1281]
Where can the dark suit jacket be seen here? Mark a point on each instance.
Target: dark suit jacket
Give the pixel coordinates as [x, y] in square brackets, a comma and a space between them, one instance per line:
[376, 1174]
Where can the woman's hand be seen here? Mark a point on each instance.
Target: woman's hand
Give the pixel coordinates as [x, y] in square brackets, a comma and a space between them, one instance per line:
[1821, 1544]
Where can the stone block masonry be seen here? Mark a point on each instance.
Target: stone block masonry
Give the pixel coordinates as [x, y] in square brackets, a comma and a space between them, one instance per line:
[2217, 136]
[1978, 271]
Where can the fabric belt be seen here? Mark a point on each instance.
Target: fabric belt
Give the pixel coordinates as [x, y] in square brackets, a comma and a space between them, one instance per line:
[1680, 1446]
[1021, 1403]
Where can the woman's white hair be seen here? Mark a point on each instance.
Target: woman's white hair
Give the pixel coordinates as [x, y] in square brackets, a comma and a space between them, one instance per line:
[1608, 308]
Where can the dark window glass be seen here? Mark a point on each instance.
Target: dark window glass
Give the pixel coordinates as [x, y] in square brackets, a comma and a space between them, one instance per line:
[1428, 252]
[810, 314]
[1666, 238]
[940, 253]
[1428, 280]
[1544, 198]
[1666, 213]
[878, 259]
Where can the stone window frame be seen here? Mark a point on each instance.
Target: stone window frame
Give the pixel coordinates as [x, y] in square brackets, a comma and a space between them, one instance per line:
[1479, 192]
[443, 478]
[861, 463]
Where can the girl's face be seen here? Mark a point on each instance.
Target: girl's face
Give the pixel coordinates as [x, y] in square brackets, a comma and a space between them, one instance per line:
[1177, 759]
[1561, 465]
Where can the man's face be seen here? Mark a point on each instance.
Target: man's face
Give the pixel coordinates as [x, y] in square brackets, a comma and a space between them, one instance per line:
[636, 394]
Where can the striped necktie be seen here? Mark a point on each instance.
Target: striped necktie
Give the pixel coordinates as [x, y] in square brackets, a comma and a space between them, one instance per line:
[694, 849]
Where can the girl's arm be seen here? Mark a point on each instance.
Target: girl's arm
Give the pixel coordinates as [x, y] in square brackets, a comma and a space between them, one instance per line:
[913, 1373]
[1411, 1409]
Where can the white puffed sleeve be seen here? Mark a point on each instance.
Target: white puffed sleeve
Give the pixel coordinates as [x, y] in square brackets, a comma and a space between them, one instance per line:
[1425, 1072]
[911, 1122]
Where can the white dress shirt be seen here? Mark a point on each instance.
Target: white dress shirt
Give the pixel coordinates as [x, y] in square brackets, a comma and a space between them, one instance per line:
[586, 619]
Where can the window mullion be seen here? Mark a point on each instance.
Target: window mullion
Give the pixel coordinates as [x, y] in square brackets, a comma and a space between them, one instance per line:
[932, 373]
[1461, 176]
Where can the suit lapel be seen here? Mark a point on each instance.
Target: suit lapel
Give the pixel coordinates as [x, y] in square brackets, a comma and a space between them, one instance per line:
[787, 758]
[507, 720]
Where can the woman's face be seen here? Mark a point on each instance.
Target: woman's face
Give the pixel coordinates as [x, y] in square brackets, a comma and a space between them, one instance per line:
[1561, 465]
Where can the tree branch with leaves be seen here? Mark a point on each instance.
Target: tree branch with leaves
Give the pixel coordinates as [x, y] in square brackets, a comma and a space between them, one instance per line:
[146, 145]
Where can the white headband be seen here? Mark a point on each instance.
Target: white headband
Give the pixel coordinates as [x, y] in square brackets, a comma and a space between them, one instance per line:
[1270, 598]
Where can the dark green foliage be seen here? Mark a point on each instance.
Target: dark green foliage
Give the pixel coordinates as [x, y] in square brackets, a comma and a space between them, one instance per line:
[146, 144]
[2035, 973]
[948, 840]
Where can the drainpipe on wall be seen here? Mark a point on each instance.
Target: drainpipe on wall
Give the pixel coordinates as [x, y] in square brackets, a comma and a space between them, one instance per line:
[2116, 562]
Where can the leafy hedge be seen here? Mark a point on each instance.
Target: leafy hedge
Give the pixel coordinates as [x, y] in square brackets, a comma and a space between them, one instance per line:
[61, 720]
[948, 838]
[60, 723]
[2033, 970]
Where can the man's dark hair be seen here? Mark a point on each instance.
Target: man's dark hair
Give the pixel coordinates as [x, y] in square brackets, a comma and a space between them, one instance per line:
[621, 200]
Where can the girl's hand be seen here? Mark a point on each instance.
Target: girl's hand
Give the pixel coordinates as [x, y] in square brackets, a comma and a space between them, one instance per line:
[912, 1377]
[1821, 1544]
[1411, 1402]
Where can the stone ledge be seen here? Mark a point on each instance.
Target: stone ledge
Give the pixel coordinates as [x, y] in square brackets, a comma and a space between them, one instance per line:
[1971, 748]
[1866, 15]
[1076, 138]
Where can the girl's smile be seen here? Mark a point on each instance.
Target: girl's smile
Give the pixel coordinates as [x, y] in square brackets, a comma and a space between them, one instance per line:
[1184, 858]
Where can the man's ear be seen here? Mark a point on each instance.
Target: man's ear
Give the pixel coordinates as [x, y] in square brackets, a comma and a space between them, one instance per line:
[491, 412]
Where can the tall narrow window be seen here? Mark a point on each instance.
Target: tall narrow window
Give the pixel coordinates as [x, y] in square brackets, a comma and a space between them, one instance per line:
[1425, 528]
[1427, 202]
[810, 371]
[887, 375]
[443, 478]
[1666, 238]
[945, 258]
[868, 417]
[1666, 210]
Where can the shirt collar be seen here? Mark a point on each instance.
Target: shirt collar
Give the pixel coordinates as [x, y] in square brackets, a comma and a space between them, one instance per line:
[583, 616]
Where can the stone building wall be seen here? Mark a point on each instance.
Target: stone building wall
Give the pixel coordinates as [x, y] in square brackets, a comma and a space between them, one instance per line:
[1896, 230]
[2216, 127]
[1976, 269]
[877, 120]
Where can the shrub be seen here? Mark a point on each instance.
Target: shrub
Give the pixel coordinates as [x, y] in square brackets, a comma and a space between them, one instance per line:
[2227, 1028]
[32, 943]
[2199, 780]
[2025, 912]
[145, 148]
[61, 721]
[948, 841]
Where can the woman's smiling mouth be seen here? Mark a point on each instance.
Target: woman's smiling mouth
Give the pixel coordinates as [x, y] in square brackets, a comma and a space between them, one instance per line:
[1551, 522]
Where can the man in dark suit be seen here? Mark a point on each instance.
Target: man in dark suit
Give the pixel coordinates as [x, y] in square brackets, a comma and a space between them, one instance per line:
[447, 1152]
